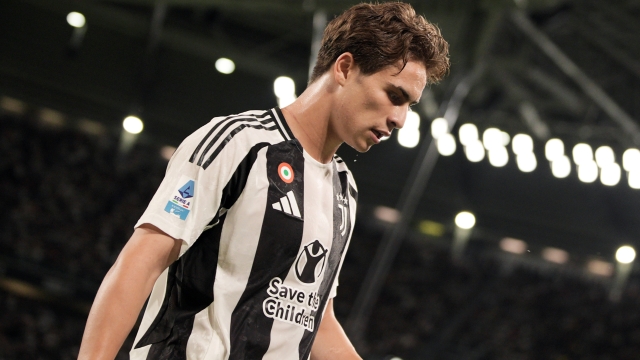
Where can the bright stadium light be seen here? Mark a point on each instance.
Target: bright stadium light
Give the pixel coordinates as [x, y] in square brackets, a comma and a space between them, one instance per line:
[513, 246]
[554, 149]
[561, 167]
[408, 137]
[492, 138]
[226, 66]
[76, 19]
[625, 254]
[465, 220]
[446, 145]
[474, 151]
[631, 159]
[412, 121]
[555, 255]
[610, 174]
[439, 127]
[133, 124]
[588, 172]
[468, 134]
[521, 144]
[634, 179]
[582, 153]
[284, 87]
[526, 162]
[498, 156]
[604, 156]
[505, 138]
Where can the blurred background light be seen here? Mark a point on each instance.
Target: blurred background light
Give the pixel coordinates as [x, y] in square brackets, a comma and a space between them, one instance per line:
[588, 172]
[227, 66]
[512, 245]
[634, 179]
[600, 267]
[133, 124]
[604, 156]
[625, 254]
[465, 220]
[526, 162]
[446, 145]
[408, 137]
[582, 153]
[505, 138]
[439, 126]
[631, 159]
[285, 89]
[492, 138]
[76, 19]
[610, 174]
[561, 167]
[386, 214]
[468, 134]
[555, 255]
[498, 156]
[522, 143]
[554, 149]
[474, 151]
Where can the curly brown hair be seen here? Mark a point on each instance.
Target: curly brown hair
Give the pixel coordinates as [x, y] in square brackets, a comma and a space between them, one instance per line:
[378, 35]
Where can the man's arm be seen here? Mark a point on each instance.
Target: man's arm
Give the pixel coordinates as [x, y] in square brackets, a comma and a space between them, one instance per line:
[331, 341]
[124, 290]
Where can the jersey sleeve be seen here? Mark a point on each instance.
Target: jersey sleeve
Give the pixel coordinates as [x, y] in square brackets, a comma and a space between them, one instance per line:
[190, 195]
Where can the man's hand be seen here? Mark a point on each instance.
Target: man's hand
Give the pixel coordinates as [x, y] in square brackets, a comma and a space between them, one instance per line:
[124, 290]
[331, 341]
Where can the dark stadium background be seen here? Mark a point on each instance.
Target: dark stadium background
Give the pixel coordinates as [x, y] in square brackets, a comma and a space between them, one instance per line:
[564, 69]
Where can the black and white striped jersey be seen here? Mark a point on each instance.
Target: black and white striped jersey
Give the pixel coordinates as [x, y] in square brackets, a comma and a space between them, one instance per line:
[265, 229]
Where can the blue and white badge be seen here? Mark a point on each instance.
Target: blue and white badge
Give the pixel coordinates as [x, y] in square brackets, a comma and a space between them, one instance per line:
[180, 203]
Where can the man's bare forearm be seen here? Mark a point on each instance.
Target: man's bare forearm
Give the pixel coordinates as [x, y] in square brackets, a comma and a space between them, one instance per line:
[331, 341]
[124, 290]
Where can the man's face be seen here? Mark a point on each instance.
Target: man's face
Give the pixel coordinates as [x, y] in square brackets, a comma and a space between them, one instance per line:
[371, 106]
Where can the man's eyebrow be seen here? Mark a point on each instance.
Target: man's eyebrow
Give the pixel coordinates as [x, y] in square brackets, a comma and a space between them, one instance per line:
[405, 94]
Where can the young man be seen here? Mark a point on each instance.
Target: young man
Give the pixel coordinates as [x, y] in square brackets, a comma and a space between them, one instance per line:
[242, 244]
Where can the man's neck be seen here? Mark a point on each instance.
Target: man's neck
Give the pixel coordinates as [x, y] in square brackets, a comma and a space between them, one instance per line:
[309, 118]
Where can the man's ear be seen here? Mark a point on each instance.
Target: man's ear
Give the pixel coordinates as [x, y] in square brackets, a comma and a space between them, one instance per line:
[344, 68]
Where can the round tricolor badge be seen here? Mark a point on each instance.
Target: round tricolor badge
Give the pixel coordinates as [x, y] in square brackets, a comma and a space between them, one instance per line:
[286, 172]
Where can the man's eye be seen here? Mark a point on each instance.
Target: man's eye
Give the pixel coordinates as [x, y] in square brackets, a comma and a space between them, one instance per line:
[395, 99]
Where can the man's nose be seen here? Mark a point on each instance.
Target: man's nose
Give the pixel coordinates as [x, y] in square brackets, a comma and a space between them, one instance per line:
[397, 117]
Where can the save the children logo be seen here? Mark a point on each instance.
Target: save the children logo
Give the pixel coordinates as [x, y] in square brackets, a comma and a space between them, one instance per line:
[291, 305]
[310, 262]
[179, 205]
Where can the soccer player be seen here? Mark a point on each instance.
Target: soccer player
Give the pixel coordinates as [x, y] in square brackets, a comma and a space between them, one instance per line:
[238, 253]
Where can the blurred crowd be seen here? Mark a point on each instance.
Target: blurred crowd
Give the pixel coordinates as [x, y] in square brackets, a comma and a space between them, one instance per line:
[70, 204]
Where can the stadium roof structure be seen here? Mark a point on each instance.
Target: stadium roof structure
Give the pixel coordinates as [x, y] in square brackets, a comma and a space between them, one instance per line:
[549, 68]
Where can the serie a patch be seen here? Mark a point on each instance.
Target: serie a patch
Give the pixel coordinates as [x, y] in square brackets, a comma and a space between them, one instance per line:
[180, 203]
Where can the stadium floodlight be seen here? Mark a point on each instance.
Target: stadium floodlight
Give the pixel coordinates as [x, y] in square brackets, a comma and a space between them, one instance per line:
[582, 153]
[133, 124]
[226, 66]
[492, 138]
[284, 87]
[505, 138]
[408, 137]
[599, 267]
[498, 156]
[522, 144]
[465, 220]
[439, 127]
[631, 159]
[474, 151]
[446, 145]
[625, 254]
[610, 174]
[561, 167]
[512, 245]
[468, 134]
[526, 162]
[555, 255]
[413, 120]
[634, 179]
[588, 172]
[76, 19]
[604, 156]
[554, 149]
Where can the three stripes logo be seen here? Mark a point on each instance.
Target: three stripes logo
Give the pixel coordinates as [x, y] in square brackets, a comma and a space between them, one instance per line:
[288, 205]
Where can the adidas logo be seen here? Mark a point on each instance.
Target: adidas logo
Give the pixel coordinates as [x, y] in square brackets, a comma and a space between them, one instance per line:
[288, 204]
